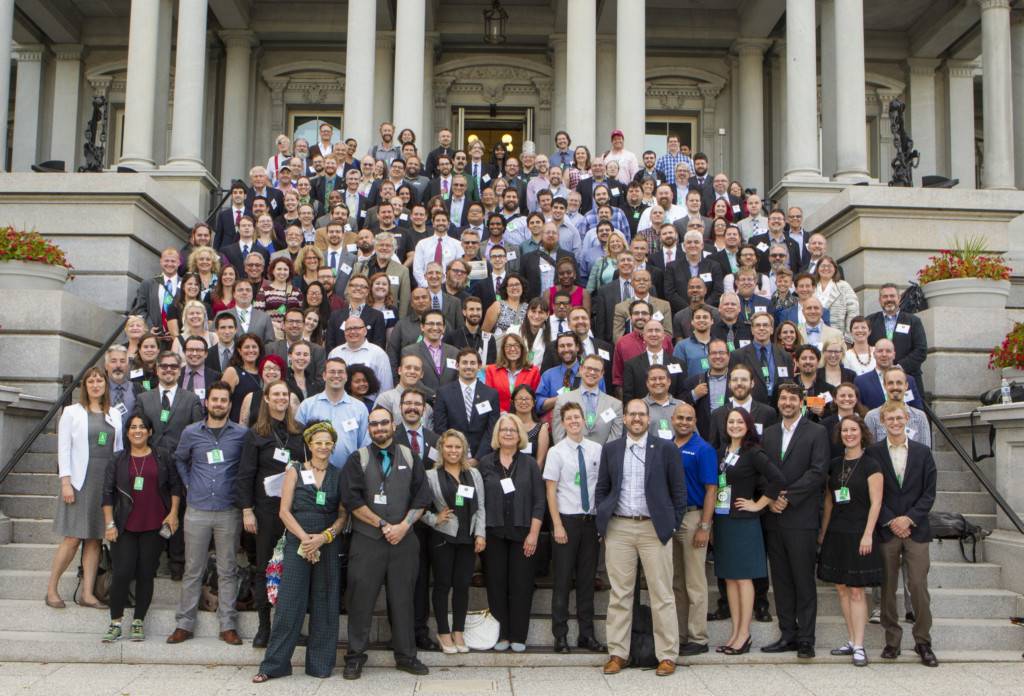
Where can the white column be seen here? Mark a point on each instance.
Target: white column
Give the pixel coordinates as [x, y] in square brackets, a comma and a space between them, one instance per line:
[430, 40]
[383, 84]
[827, 96]
[6, 34]
[605, 116]
[960, 81]
[801, 92]
[410, 28]
[997, 94]
[630, 72]
[24, 151]
[360, 47]
[189, 87]
[558, 111]
[750, 127]
[234, 159]
[581, 70]
[140, 92]
[163, 101]
[1017, 53]
[921, 122]
[851, 113]
[67, 80]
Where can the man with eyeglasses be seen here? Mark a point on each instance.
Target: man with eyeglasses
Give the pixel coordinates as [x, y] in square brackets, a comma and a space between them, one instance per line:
[439, 248]
[602, 413]
[357, 294]
[440, 364]
[634, 380]
[293, 327]
[579, 324]
[769, 363]
[641, 499]
[356, 350]
[455, 279]
[196, 375]
[334, 404]
[776, 234]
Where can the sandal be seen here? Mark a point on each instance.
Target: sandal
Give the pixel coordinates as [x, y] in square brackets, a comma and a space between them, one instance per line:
[261, 677]
[56, 604]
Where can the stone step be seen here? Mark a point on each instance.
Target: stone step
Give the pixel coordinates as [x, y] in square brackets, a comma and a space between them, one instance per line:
[948, 460]
[951, 634]
[985, 521]
[965, 502]
[46, 443]
[30, 506]
[38, 463]
[34, 531]
[18, 483]
[958, 481]
[27, 646]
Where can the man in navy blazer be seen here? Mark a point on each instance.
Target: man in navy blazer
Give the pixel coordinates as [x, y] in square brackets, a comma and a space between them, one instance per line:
[450, 406]
[641, 499]
[871, 384]
[904, 330]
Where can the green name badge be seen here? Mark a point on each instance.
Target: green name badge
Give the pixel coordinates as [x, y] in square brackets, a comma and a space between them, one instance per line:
[459, 501]
[321, 498]
[730, 345]
[101, 439]
[137, 483]
[591, 418]
[577, 478]
[215, 456]
[764, 371]
[843, 495]
[704, 363]
[165, 415]
[146, 385]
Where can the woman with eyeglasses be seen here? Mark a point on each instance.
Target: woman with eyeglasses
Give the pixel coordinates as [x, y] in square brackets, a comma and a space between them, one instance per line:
[832, 371]
[524, 406]
[509, 309]
[511, 370]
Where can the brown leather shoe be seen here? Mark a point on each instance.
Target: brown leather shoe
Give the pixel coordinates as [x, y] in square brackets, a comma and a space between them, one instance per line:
[665, 668]
[230, 637]
[180, 635]
[614, 665]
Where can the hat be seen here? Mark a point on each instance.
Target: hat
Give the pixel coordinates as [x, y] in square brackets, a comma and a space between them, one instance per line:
[618, 133]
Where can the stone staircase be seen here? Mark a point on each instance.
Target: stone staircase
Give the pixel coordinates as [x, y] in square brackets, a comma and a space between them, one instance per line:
[968, 600]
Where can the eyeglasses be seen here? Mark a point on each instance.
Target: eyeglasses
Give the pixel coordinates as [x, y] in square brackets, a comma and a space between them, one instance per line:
[456, 271]
[168, 367]
[379, 423]
[776, 256]
[355, 328]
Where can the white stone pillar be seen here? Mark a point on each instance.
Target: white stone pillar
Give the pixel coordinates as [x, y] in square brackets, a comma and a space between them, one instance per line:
[558, 111]
[827, 89]
[383, 84]
[851, 112]
[410, 28]
[189, 87]
[604, 120]
[67, 79]
[427, 136]
[360, 48]
[6, 36]
[921, 119]
[997, 94]
[140, 92]
[234, 153]
[801, 92]
[1017, 53]
[630, 72]
[581, 70]
[750, 127]
[163, 101]
[24, 151]
[960, 88]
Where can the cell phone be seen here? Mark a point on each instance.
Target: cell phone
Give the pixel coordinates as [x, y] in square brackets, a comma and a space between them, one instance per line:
[165, 531]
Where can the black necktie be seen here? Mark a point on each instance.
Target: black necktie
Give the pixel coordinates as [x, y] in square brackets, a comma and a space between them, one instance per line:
[191, 380]
[165, 403]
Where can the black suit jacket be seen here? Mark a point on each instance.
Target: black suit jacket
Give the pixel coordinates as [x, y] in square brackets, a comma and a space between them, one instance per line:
[185, 410]
[224, 232]
[429, 439]
[702, 405]
[763, 264]
[678, 275]
[664, 485]
[634, 377]
[706, 202]
[706, 190]
[586, 190]
[232, 255]
[275, 201]
[376, 327]
[319, 187]
[210, 375]
[603, 307]
[911, 346]
[762, 414]
[529, 266]
[915, 497]
[748, 356]
[805, 469]
[430, 167]
[450, 412]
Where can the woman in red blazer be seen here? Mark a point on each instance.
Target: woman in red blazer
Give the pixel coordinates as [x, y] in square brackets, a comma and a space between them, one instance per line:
[512, 368]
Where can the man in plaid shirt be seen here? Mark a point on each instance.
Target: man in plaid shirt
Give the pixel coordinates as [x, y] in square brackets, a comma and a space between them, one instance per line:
[668, 162]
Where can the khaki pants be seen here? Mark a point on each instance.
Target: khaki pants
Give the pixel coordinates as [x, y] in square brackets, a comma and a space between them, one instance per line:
[626, 541]
[690, 582]
[916, 556]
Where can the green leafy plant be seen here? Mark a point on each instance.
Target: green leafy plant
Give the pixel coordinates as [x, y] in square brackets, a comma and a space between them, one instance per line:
[1009, 353]
[19, 245]
[967, 259]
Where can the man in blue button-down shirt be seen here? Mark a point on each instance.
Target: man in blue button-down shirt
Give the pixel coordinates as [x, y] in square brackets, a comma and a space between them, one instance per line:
[348, 416]
[207, 461]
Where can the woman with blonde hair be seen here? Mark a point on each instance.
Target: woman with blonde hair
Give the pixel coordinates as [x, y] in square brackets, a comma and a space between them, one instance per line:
[195, 324]
[604, 270]
[511, 368]
[307, 264]
[134, 330]
[458, 525]
[514, 507]
[204, 262]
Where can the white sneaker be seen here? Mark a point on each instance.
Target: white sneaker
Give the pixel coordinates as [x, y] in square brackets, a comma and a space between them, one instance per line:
[876, 616]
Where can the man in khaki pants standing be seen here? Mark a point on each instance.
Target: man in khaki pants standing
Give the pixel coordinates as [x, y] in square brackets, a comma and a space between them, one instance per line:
[690, 543]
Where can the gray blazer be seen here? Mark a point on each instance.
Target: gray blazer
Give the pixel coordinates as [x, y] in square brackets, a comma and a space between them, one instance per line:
[478, 525]
[602, 431]
[186, 409]
[147, 301]
[259, 324]
[430, 379]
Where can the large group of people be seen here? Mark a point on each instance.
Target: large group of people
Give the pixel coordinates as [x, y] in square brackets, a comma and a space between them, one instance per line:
[422, 370]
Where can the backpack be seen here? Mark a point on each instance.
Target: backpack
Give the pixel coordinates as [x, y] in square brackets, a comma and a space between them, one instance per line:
[953, 525]
[641, 640]
[913, 300]
[364, 456]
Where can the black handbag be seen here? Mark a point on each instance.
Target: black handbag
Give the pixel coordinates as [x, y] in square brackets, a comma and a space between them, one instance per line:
[953, 525]
[641, 640]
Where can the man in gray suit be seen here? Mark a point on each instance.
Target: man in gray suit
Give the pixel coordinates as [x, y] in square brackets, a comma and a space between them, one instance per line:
[407, 330]
[154, 293]
[254, 321]
[383, 261]
[440, 365]
[602, 413]
[292, 333]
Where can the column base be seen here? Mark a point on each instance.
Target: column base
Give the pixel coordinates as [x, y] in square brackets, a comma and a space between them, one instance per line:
[136, 164]
[853, 177]
[808, 194]
[191, 184]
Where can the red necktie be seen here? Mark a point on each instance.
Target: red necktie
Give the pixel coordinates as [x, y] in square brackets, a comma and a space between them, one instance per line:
[415, 441]
[437, 252]
[238, 217]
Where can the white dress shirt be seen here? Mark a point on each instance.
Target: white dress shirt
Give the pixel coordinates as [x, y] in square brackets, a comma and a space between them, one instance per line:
[562, 465]
[371, 355]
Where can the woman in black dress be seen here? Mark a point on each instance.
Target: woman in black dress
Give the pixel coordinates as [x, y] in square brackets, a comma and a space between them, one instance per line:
[739, 544]
[242, 373]
[849, 553]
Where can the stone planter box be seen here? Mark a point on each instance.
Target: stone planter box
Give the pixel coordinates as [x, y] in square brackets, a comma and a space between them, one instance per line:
[978, 293]
[28, 275]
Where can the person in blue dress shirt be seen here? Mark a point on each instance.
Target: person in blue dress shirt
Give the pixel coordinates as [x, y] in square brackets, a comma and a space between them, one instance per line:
[348, 416]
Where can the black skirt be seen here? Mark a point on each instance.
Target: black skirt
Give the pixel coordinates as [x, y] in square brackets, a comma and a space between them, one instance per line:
[841, 563]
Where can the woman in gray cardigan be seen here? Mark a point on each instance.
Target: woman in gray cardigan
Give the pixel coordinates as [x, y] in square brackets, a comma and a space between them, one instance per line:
[458, 521]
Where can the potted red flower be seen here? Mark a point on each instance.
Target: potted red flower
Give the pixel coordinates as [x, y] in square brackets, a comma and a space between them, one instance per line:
[1008, 356]
[966, 276]
[29, 261]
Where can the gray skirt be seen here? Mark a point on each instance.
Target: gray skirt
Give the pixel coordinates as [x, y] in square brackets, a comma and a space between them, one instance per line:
[83, 519]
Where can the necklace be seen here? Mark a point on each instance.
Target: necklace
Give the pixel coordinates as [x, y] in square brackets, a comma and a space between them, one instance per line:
[856, 356]
[317, 468]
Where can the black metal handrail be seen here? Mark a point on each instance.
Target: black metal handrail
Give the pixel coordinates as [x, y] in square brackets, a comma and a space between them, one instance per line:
[59, 403]
[975, 469]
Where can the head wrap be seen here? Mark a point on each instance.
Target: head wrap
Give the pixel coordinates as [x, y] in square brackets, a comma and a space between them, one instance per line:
[320, 427]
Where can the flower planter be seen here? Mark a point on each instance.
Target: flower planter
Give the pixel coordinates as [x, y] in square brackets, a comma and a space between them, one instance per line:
[979, 293]
[28, 275]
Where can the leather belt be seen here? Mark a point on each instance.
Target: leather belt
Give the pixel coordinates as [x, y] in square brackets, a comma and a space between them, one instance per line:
[635, 518]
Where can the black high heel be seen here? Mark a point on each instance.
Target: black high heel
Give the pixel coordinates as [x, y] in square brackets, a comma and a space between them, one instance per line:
[729, 650]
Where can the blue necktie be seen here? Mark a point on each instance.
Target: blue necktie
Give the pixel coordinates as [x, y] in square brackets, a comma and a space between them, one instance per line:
[584, 488]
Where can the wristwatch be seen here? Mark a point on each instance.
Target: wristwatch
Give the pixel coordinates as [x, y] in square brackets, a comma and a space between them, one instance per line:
[706, 526]
[110, 525]
[382, 523]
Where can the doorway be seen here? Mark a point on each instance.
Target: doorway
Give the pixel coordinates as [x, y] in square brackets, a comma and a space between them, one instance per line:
[491, 126]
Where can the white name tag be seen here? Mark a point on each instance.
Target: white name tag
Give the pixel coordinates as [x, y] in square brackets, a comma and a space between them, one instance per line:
[468, 491]
[507, 486]
[393, 279]
[362, 214]
[345, 268]
[200, 394]
[451, 364]
[706, 277]
[827, 396]
[762, 247]
[308, 478]
[759, 428]
[783, 371]
[350, 425]
[282, 455]
[908, 396]
[545, 267]
[510, 255]
[736, 209]
[389, 314]
[744, 343]
[658, 316]
[403, 217]
[903, 328]
[603, 354]
[484, 407]
[665, 434]
[616, 192]
[608, 415]
[674, 369]
[760, 308]
[731, 459]
[135, 374]
[351, 248]
[380, 499]
[485, 178]
[432, 454]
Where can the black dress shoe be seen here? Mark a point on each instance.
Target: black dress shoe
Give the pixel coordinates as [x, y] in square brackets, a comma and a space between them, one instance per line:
[413, 666]
[890, 652]
[690, 648]
[592, 644]
[262, 636]
[427, 643]
[909, 616]
[353, 667]
[779, 646]
[805, 650]
[928, 658]
[720, 614]
[176, 574]
[562, 646]
[762, 615]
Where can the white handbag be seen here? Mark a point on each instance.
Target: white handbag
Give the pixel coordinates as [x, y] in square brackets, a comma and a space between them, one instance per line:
[482, 630]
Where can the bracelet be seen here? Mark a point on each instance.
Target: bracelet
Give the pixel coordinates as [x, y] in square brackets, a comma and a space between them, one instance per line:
[110, 525]
[329, 535]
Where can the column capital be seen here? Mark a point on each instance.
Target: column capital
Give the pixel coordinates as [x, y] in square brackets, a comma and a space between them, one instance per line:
[238, 38]
[751, 47]
[68, 51]
[29, 53]
[557, 42]
[961, 68]
[922, 66]
[993, 4]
